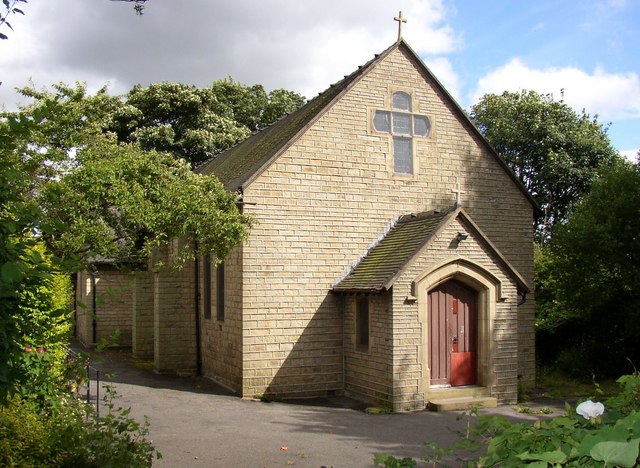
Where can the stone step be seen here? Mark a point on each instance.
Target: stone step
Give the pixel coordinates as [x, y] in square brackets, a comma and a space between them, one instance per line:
[471, 391]
[461, 403]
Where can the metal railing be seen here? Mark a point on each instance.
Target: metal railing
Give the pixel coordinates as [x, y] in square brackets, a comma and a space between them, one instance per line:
[84, 379]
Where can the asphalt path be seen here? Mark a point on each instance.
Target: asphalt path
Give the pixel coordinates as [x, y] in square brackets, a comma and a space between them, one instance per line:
[196, 423]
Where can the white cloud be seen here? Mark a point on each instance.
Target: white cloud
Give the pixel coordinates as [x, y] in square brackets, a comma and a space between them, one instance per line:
[303, 46]
[631, 155]
[610, 95]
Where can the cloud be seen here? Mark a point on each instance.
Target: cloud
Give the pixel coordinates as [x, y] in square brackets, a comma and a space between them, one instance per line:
[303, 46]
[610, 95]
[630, 155]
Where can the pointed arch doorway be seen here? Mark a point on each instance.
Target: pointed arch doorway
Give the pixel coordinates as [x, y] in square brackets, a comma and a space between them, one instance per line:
[453, 334]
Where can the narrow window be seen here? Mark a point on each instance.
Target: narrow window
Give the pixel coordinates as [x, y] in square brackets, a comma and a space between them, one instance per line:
[362, 324]
[402, 155]
[220, 292]
[207, 286]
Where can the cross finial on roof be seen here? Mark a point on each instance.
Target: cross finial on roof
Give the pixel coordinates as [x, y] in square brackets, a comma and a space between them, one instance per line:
[400, 19]
[458, 191]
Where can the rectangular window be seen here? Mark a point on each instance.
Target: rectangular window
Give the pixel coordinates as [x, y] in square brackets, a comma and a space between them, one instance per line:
[362, 323]
[207, 286]
[401, 124]
[220, 293]
[402, 155]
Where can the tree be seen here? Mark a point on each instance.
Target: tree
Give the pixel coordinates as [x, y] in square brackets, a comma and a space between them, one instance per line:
[592, 278]
[555, 152]
[69, 191]
[197, 123]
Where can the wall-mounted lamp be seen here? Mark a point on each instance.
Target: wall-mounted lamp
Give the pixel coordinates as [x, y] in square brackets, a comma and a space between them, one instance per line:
[461, 236]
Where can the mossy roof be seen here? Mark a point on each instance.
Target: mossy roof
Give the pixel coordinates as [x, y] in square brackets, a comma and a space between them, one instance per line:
[385, 260]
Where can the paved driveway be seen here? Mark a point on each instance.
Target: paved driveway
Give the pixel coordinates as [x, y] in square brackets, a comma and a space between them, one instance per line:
[195, 423]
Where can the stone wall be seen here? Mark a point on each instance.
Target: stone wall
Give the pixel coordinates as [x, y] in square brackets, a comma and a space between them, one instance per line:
[142, 305]
[367, 372]
[222, 339]
[174, 314]
[112, 308]
[330, 195]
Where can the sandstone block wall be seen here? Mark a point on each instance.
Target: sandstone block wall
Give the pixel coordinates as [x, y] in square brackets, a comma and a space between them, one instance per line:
[329, 196]
[142, 305]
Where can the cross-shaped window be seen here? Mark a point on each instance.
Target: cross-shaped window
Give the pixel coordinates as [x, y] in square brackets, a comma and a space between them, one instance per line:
[403, 125]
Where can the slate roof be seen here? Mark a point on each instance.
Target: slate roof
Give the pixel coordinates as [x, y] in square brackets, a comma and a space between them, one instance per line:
[377, 270]
[239, 165]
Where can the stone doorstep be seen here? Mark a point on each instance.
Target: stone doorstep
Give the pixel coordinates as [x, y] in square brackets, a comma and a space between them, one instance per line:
[461, 403]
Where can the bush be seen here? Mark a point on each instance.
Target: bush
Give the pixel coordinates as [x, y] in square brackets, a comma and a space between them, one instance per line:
[24, 439]
[73, 436]
[589, 437]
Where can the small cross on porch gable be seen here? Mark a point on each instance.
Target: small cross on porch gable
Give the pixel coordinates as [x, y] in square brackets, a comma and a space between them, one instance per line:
[458, 191]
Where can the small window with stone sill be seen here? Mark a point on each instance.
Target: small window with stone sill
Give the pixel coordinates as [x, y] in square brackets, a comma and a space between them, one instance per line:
[403, 125]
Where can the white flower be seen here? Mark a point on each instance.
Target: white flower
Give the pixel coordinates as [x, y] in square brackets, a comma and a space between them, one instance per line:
[590, 410]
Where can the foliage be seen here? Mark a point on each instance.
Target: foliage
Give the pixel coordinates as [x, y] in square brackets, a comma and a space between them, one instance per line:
[556, 153]
[96, 196]
[197, 123]
[33, 293]
[589, 280]
[70, 192]
[612, 439]
[389, 461]
[73, 436]
[122, 202]
[11, 8]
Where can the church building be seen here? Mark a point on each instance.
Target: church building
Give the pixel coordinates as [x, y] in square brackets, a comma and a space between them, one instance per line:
[391, 258]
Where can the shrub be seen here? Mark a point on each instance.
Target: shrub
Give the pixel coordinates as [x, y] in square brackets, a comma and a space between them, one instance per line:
[588, 437]
[73, 436]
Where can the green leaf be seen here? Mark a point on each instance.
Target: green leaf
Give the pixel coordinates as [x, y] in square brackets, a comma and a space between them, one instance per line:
[11, 272]
[616, 453]
[557, 456]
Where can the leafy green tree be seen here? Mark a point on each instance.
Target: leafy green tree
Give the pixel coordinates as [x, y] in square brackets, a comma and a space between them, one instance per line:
[555, 152]
[198, 123]
[593, 276]
[69, 191]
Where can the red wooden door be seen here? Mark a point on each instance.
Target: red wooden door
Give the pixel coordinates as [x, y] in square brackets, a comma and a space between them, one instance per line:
[453, 334]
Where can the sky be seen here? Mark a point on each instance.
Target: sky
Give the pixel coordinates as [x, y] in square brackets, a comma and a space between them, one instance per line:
[586, 52]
